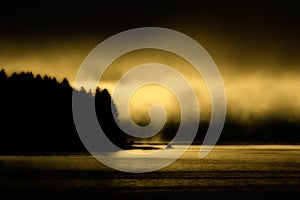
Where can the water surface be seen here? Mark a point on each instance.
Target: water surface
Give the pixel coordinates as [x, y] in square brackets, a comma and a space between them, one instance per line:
[272, 170]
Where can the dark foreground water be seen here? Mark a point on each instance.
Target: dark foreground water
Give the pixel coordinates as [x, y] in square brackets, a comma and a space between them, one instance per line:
[228, 171]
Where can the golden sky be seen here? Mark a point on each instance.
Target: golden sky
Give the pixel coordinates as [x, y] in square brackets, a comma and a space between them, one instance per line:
[256, 48]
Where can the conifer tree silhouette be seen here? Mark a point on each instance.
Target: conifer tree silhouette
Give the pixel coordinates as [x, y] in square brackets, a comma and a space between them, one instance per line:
[36, 117]
[106, 110]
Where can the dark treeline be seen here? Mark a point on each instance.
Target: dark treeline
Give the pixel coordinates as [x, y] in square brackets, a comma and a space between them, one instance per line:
[271, 130]
[36, 115]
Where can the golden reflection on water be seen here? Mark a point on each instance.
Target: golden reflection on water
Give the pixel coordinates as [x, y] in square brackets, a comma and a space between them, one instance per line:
[232, 169]
[250, 157]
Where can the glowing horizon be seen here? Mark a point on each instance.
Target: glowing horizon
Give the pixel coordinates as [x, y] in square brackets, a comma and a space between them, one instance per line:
[257, 56]
[260, 93]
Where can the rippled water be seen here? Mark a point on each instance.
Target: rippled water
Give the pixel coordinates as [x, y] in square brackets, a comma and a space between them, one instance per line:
[267, 169]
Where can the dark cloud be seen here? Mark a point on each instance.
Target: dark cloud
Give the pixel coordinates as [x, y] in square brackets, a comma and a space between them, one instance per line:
[243, 38]
[247, 17]
[245, 32]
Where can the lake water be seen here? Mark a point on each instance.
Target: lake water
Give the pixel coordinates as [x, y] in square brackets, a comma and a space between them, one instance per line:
[235, 171]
